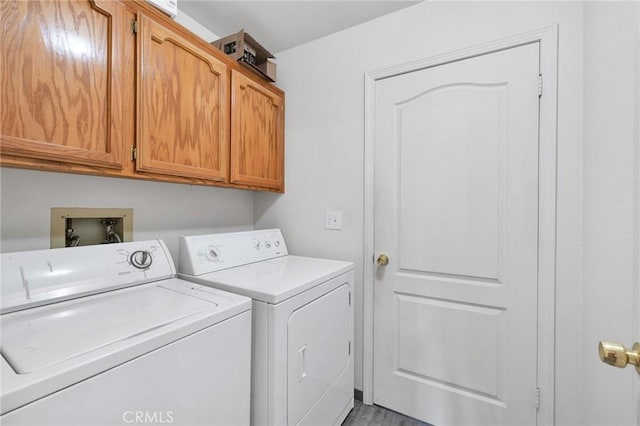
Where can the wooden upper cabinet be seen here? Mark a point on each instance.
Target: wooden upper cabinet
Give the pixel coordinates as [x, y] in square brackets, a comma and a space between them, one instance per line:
[257, 134]
[182, 106]
[78, 91]
[61, 80]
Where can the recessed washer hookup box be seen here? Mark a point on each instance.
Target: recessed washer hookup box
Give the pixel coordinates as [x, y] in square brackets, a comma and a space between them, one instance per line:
[245, 49]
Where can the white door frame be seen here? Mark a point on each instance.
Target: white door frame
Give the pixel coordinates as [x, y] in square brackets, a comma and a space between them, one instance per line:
[548, 39]
[636, 274]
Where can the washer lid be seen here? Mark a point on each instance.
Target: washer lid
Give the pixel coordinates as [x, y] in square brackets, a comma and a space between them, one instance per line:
[273, 281]
[39, 338]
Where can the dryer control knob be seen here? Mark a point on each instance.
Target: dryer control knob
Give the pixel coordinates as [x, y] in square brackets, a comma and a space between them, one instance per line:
[213, 254]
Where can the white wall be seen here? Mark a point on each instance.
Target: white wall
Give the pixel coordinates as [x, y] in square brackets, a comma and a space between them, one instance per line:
[324, 141]
[160, 210]
[194, 26]
[611, 114]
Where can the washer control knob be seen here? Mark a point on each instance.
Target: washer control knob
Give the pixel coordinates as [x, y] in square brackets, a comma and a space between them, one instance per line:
[141, 259]
[267, 244]
[277, 243]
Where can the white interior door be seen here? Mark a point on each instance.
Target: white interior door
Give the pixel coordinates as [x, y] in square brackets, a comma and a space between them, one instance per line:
[456, 211]
[611, 210]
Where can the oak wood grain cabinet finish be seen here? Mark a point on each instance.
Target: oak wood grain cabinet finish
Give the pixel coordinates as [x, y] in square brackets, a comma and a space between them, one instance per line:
[84, 91]
[182, 111]
[257, 134]
[61, 79]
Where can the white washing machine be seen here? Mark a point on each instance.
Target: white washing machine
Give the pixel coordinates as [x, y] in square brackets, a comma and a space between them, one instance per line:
[302, 362]
[106, 335]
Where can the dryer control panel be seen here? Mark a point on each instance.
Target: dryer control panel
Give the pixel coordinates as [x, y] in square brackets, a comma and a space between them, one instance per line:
[203, 254]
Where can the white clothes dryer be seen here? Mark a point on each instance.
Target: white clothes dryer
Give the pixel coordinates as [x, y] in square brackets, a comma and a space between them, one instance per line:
[105, 335]
[302, 361]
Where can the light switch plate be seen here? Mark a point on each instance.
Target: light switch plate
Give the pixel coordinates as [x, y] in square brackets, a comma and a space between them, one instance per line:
[333, 220]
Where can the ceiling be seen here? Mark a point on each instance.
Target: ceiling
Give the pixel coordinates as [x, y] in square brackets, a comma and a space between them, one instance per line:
[281, 25]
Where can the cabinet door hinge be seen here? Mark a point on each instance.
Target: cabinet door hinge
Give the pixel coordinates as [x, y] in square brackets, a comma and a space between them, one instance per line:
[134, 26]
[134, 153]
[540, 85]
[537, 398]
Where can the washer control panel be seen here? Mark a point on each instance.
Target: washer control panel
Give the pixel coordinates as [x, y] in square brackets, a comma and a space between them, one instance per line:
[44, 276]
[203, 254]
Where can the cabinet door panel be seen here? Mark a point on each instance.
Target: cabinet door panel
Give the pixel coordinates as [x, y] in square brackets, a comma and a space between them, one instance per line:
[257, 134]
[61, 80]
[182, 106]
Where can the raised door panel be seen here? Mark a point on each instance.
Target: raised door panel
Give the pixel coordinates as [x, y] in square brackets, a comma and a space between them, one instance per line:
[257, 134]
[182, 106]
[61, 80]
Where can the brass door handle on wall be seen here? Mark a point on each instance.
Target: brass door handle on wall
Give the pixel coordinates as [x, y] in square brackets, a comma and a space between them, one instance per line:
[383, 260]
[618, 356]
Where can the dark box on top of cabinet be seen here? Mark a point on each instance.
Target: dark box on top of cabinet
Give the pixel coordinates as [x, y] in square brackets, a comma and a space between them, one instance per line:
[246, 50]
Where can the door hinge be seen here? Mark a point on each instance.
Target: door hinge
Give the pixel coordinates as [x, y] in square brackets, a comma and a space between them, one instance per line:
[134, 153]
[134, 26]
[537, 398]
[540, 85]
[349, 298]
[349, 353]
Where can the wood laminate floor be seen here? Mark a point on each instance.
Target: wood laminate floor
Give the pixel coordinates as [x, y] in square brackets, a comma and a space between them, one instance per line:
[372, 415]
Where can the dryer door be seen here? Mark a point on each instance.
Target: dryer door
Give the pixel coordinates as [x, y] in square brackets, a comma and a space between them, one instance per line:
[319, 349]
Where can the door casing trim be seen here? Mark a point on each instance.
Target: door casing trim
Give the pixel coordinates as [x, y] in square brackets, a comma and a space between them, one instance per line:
[547, 169]
[636, 256]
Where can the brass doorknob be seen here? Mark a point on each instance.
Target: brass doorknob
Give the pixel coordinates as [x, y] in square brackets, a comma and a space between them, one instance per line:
[617, 355]
[383, 260]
